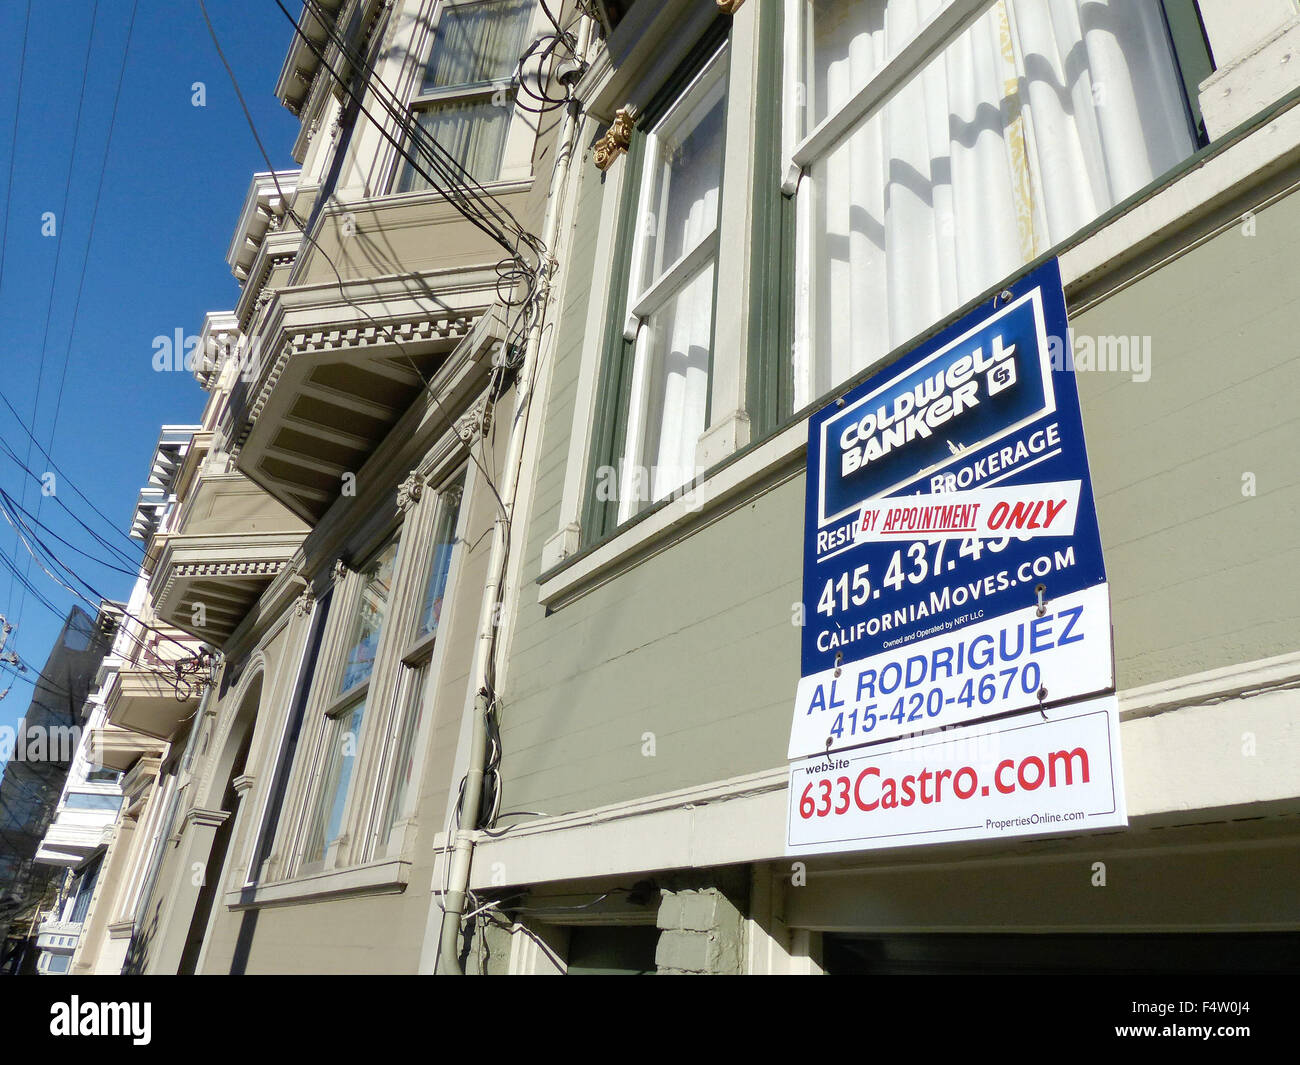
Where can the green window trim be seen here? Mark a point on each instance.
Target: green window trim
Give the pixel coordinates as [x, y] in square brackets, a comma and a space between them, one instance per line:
[769, 369]
[592, 539]
[769, 383]
[600, 516]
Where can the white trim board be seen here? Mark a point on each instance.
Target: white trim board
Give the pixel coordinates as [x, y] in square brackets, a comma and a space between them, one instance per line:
[1182, 742]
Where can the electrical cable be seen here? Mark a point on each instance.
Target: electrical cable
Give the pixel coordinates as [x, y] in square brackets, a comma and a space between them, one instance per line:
[109, 522]
[13, 143]
[19, 526]
[61, 223]
[433, 153]
[118, 552]
[90, 238]
[135, 573]
[310, 239]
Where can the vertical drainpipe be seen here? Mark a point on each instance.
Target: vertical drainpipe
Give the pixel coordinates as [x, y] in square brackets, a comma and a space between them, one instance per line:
[485, 646]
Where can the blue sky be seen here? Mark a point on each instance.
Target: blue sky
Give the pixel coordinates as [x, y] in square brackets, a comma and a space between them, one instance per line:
[175, 179]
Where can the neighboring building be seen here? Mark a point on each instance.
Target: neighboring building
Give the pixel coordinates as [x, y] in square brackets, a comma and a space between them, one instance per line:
[39, 756]
[494, 522]
[152, 671]
[369, 392]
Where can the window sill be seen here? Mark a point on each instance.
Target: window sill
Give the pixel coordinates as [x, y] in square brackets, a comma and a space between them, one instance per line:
[738, 480]
[388, 877]
[1135, 238]
[351, 200]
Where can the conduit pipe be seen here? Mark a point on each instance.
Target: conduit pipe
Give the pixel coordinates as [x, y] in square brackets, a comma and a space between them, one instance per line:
[489, 618]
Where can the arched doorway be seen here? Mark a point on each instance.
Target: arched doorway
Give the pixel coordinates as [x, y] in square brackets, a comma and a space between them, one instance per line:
[230, 767]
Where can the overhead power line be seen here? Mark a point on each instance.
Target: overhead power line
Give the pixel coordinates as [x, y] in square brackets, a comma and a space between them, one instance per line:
[13, 142]
[90, 236]
[61, 229]
[64, 478]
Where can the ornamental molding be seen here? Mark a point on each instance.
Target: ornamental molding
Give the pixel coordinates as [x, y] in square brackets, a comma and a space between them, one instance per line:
[475, 422]
[371, 335]
[263, 298]
[409, 492]
[616, 139]
[242, 568]
[352, 338]
[270, 261]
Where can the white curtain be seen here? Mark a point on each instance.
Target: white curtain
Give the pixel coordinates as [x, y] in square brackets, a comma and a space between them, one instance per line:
[1039, 118]
[679, 339]
[472, 132]
[479, 43]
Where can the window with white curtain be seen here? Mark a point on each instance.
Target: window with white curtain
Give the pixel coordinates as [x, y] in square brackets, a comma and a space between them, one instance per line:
[935, 149]
[669, 305]
[466, 96]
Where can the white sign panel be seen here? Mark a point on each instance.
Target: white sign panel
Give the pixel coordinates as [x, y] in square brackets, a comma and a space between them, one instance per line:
[974, 668]
[1032, 774]
[1024, 511]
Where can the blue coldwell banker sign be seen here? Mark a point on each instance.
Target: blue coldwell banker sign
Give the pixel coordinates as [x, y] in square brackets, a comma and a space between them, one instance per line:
[952, 565]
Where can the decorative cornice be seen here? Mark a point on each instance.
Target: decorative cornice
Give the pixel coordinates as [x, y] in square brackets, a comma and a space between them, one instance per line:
[191, 570]
[409, 492]
[244, 568]
[616, 139]
[327, 341]
[370, 335]
[206, 818]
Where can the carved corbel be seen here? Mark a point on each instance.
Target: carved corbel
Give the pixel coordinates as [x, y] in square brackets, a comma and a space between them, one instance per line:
[475, 422]
[616, 139]
[409, 492]
[729, 7]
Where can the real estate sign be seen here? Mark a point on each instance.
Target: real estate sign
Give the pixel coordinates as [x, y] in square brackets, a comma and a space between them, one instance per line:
[1037, 773]
[952, 565]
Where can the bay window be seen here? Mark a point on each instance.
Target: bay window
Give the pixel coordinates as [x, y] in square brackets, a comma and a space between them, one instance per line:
[670, 296]
[935, 148]
[659, 360]
[822, 183]
[465, 98]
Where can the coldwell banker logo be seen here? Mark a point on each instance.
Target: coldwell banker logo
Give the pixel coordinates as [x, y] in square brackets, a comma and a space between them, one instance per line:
[974, 390]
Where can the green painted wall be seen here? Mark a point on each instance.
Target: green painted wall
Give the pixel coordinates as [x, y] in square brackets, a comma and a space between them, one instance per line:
[696, 644]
